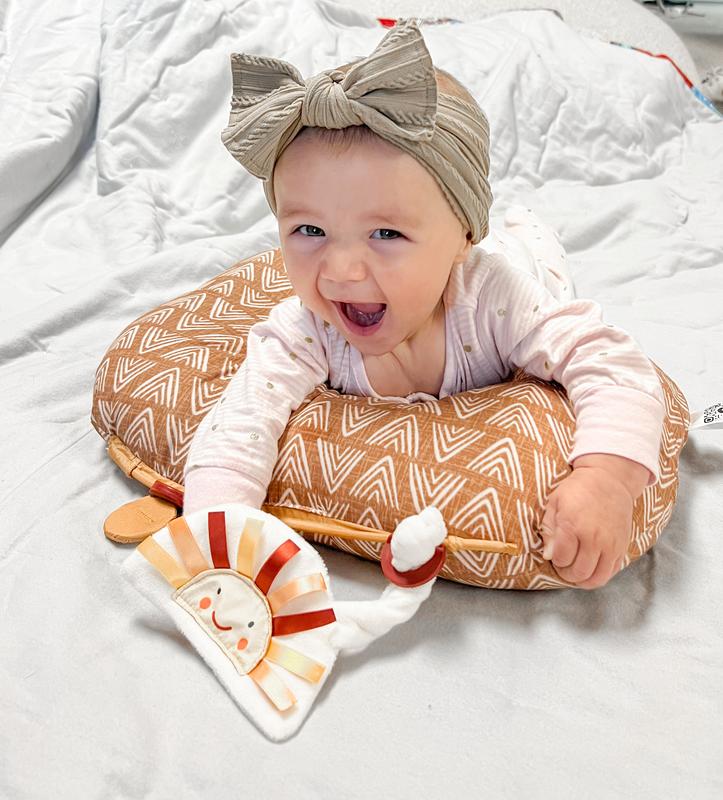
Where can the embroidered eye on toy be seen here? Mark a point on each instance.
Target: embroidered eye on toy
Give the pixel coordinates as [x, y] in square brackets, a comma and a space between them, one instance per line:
[253, 597]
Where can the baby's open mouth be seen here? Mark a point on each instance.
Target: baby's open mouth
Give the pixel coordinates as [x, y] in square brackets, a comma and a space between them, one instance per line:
[363, 314]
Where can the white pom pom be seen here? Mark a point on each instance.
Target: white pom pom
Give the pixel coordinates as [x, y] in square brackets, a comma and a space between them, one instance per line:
[415, 539]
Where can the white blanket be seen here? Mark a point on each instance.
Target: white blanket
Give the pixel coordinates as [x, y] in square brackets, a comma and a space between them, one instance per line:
[117, 194]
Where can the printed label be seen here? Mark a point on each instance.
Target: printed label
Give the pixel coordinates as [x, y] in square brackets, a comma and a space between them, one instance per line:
[710, 417]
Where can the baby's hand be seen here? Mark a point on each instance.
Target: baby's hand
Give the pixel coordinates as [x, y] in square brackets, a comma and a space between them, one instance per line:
[587, 527]
[416, 538]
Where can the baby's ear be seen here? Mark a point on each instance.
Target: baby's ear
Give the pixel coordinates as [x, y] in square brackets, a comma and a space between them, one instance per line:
[464, 249]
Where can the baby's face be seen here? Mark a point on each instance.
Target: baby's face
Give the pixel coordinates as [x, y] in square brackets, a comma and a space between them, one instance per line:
[367, 225]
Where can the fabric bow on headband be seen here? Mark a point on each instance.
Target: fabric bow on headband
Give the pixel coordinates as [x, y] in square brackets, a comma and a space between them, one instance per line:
[393, 91]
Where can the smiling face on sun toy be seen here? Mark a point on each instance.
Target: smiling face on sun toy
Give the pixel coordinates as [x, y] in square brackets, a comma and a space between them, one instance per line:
[233, 611]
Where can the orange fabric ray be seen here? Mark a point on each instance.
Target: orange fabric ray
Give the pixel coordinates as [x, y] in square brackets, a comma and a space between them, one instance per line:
[272, 686]
[217, 539]
[187, 546]
[164, 562]
[295, 623]
[295, 662]
[296, 588]
[246, 553]
[283, 553]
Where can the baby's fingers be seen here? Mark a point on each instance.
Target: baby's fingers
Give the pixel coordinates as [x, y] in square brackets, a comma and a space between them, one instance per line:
[607, 567]
[582, 565]
[561, 546]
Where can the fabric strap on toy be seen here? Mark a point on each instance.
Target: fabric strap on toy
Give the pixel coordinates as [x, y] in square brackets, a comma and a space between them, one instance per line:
[360, 622]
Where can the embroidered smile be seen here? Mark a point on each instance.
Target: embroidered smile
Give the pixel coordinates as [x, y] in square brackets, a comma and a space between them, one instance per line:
[220, 627]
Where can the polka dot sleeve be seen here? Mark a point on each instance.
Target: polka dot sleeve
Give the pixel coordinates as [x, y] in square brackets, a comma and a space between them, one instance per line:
[235, 447]
[614, 389]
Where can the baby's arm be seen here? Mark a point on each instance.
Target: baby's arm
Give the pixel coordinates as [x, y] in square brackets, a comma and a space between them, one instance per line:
[632, 475]
[614, 389]
[235, 447]
[619, 408]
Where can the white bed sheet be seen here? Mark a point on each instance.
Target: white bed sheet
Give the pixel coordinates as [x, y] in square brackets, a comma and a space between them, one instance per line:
[117, 194]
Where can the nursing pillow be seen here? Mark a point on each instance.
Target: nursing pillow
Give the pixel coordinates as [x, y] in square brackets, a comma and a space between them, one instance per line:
[350, 468]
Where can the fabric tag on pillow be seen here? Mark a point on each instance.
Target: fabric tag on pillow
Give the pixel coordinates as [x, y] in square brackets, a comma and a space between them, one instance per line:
[709, 417]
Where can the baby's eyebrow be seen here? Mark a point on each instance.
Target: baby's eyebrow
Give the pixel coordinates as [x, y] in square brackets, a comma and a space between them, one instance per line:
[393, 217]
[290, 212]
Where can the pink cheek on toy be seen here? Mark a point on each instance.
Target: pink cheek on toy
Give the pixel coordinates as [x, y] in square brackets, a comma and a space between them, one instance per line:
[205, 602]
[241, 644]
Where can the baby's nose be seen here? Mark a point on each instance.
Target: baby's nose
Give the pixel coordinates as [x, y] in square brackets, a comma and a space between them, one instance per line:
[342, 264]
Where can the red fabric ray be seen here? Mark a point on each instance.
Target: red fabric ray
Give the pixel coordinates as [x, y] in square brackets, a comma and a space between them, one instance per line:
[283, 553]
[294, 623]
[217, 539]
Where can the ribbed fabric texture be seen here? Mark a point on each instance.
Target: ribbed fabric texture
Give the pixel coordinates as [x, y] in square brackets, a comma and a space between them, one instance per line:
[393, 91]
[498, 318]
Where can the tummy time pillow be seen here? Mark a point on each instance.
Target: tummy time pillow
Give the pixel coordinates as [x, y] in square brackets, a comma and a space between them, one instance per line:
[350, 468]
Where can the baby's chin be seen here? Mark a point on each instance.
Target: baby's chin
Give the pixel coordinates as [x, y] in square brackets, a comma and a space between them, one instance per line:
[376, 344]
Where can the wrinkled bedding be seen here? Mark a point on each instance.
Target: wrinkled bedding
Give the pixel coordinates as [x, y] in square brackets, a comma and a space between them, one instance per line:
[117, 194]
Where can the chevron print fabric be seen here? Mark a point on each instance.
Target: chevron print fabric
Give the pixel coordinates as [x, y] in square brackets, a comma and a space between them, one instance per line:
[487, 458]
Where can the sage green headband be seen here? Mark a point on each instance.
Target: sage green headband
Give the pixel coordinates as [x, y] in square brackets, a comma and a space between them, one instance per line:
[393, 91]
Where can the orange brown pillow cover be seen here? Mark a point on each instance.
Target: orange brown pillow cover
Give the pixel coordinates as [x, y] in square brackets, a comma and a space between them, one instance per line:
[487, 458]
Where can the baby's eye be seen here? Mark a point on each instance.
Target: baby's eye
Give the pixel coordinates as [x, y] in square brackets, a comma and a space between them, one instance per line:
[218, 591]
[315, 231]
[251, 624]
[396, 234]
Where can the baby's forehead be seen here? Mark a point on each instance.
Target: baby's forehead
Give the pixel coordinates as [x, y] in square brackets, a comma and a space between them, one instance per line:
[363, 180]
[362, 212]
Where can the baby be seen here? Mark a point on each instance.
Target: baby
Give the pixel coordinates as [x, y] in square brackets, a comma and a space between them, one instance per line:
[377, 173]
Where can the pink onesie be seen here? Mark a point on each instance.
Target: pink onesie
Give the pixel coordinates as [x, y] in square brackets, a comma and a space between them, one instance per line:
[499, 317]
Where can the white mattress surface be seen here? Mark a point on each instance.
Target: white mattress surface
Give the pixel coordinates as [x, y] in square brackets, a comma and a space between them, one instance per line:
[117, 194]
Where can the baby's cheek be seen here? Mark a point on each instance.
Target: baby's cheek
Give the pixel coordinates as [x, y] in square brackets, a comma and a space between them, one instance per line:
[205, 602]
[242, 644]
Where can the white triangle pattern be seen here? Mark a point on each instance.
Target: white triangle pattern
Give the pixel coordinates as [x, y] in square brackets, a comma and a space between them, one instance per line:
[292, 465]
[501, 462]
[336, 463]
[428, 489]
[516, 417]
[401, 435]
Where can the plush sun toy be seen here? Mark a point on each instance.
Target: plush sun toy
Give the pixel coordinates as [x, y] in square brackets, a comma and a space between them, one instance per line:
[253, 597]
